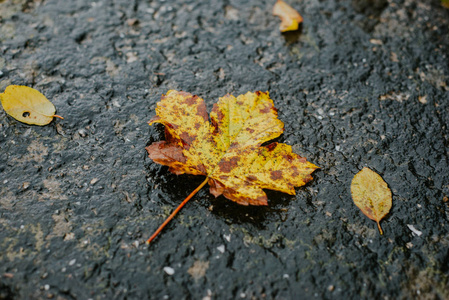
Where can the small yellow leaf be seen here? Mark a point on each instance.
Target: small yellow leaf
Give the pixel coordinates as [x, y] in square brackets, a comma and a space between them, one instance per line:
[27, 105]
[371, 194]
[290, 18]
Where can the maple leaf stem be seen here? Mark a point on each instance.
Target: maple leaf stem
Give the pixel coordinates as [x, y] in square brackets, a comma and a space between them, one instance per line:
[56, 116]
[380, 229]
[177, 210]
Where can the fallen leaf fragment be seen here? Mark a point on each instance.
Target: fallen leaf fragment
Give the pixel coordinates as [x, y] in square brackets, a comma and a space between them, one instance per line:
[27, 105]
[445, 3]
[371, 194]
[290, 18]
[228, 150]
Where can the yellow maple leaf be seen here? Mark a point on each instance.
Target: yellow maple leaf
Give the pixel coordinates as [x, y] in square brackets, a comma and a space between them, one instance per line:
[371, 194]
[27, 105]
[228, 149]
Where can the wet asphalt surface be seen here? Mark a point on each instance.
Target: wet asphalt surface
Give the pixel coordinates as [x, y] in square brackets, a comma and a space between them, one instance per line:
[362, 84]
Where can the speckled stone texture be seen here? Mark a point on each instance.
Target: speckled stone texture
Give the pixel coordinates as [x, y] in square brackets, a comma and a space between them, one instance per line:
[363, 84]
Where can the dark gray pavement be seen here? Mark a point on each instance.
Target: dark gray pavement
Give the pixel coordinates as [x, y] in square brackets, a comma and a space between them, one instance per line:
[363, 84]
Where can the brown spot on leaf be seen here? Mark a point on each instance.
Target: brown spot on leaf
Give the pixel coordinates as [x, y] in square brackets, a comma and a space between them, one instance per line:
[251, 178]
[190, 100]
[202, 111]
[201, 168]
[369, 211]
[295, 171]
[288, 157]
[266, 109]
[187, 138]
[220, 114]
[276, 175]
[227, 165]
[271, 146]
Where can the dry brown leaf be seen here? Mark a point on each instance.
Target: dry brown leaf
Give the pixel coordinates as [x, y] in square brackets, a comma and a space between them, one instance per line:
[290, 18]
[371, 194]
